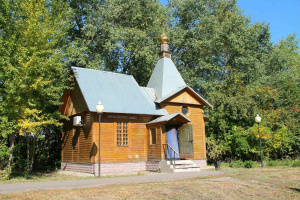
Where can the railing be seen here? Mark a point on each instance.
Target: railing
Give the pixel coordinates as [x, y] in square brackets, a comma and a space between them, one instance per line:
[173, 150]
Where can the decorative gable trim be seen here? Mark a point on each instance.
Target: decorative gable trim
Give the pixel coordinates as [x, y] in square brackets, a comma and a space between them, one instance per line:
[178, 90]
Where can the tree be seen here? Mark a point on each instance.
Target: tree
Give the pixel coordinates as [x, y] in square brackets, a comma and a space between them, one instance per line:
[213, 41]
[232, 63]
[118, 35]
[33, 73]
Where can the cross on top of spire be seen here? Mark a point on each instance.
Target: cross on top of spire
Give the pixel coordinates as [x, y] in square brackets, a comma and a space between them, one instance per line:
[163, 38]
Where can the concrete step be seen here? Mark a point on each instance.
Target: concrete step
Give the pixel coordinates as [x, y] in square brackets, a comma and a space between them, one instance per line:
[183, 166]
[190, 169]
[180, 166]
[181, 162]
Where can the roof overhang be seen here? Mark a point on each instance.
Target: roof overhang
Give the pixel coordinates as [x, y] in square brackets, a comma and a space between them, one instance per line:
[176, 118]
[172, 93]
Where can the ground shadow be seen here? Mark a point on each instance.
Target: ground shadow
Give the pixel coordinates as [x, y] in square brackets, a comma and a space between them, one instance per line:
[296, 189]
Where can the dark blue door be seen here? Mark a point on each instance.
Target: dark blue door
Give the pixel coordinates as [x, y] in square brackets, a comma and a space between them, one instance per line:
[172, 139]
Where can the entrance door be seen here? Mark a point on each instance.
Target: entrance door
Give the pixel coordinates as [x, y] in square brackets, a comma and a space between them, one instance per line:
[186, 141]
[172, 140]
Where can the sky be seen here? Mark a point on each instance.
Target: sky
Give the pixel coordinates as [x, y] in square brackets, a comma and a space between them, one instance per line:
[283, 16]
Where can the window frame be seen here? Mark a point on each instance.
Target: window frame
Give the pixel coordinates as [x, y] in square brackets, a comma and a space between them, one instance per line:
[188, 110]
[151, 136]
[122, 129]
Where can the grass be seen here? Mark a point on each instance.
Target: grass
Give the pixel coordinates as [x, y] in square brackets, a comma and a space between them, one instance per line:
[254, 183]
[18, 177]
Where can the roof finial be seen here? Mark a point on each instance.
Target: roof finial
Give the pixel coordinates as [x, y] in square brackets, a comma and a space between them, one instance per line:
[164, 43]
[163, 38]
[163, 24]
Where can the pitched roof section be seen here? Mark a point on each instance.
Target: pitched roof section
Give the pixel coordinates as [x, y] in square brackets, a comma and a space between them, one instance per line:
[119, 93]
[173, 92]
[165, 78]
[150, 96]
[168, 118]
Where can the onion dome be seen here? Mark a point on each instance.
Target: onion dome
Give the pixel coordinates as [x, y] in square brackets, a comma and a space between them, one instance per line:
[164, 38]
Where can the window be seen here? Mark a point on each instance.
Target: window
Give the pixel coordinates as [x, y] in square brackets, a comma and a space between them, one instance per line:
[122, 134]
[152, 136]
[184, 110]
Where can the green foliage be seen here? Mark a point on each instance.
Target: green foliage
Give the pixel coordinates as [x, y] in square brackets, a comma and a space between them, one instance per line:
[235, 66]
[241, 164]
[215, 148]
[213, 40]
[4, 153]
[31, 66]
[248, 164]
[236, 164]
[33, 71]
[285, 162]
[117, 35]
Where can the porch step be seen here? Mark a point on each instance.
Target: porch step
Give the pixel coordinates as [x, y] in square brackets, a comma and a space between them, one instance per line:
[190, 169]
[180, 166]
[181, 162]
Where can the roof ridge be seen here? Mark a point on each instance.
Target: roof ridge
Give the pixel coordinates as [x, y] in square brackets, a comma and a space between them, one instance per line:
[101, 71]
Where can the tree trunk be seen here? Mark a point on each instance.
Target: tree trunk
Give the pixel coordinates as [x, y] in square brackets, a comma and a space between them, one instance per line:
[28, 152]
[11, 149]
[32, 155]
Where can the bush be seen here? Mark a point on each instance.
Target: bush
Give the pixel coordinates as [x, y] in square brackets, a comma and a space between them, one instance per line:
[4, 153]
[286, 162]
[248, 164]
[236, 164]
[296, 163]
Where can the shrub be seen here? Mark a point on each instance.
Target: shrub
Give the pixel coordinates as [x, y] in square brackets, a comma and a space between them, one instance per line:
[286, 162]
[248, 164]
[296, 163]
[236, 164]
[4, 153]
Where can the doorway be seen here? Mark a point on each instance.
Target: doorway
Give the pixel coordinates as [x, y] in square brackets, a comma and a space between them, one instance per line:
[186, 141]
[172, 140]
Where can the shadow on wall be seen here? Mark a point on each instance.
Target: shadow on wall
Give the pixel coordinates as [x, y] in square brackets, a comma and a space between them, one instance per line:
[94, 150]
[75, 137]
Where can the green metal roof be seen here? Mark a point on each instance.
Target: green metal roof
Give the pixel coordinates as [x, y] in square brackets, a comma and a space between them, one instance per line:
[119, 93]
[165, 78]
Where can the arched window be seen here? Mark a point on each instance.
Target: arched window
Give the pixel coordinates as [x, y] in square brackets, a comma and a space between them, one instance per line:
[184, 110]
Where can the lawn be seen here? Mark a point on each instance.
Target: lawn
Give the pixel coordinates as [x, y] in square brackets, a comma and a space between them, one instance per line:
[255, 183]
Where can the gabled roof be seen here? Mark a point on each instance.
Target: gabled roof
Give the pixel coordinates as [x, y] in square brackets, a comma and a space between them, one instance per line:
[168, 118]
[119, 93]
[175, 91]
[165, 78]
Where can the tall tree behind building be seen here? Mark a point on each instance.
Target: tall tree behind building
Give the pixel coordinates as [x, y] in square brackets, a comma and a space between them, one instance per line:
[33, 73]
[117, 35]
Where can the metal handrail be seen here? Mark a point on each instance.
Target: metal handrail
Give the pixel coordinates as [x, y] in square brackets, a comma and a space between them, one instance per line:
[171, 148]
[167, 144]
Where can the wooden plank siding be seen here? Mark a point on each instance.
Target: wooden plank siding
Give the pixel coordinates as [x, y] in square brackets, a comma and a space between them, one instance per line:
[74, 102]
[184, 97]
[77, 141]
[137, 137]
[195, 114]
[155, 150]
